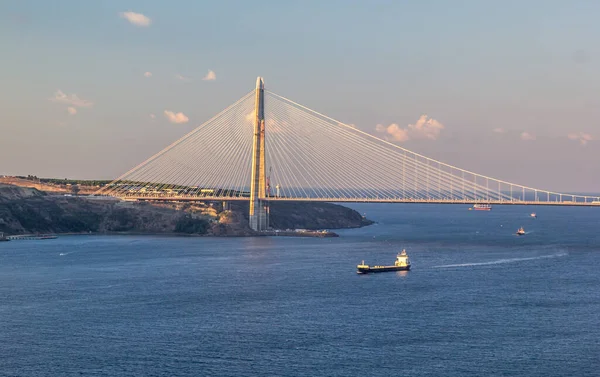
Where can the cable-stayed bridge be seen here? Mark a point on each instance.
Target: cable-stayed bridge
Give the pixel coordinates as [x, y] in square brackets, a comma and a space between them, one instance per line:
[265, 147]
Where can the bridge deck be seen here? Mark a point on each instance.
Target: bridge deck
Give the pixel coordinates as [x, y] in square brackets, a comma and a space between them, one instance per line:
[361, 200]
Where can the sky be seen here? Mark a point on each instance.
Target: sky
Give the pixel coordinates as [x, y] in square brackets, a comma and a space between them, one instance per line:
[508, 89]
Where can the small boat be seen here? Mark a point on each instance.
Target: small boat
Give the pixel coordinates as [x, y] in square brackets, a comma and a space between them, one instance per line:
[533, 215]
[520, 231]
[402, 264]
[482, 207]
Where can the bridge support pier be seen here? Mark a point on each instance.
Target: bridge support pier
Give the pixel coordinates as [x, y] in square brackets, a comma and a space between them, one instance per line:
[258, 215]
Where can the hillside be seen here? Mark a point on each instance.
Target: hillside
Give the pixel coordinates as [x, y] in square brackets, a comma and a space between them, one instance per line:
[28, 210]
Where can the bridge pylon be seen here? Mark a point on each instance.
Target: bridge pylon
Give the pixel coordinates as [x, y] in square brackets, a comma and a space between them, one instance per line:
[258, 215]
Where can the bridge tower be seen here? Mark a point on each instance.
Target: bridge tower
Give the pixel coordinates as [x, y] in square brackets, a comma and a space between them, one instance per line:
[258, 205]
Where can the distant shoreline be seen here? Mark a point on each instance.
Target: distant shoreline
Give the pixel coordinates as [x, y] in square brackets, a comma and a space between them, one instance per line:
[29, 211]
[309, 234]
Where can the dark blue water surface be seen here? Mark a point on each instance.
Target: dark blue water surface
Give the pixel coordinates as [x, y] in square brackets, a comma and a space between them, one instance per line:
[480, 301]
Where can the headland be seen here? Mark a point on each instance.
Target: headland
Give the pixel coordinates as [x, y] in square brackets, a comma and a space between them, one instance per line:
[27, 210]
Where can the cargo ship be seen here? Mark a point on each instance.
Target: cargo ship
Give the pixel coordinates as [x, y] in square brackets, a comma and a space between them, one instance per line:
[482, 207]
[402, 264]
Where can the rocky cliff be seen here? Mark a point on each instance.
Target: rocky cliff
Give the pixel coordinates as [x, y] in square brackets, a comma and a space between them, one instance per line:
[27, 210]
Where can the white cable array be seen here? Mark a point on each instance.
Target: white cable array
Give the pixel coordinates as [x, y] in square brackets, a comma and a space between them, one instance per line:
[214, 160]
[309, 156]
[315, 157]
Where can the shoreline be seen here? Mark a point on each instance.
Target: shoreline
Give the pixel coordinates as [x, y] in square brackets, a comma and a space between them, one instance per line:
[30, 212]
[309, 234]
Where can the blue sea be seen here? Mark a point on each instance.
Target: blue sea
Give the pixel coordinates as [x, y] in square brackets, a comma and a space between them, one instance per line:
[479, 300]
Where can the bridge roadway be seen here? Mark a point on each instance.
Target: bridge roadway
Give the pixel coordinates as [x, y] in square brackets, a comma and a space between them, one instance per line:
[594, 203]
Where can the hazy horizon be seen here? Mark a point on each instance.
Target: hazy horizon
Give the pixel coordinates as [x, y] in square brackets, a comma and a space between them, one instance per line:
[507, 90]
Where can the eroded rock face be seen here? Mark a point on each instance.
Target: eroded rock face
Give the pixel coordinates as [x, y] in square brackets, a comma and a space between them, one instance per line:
[27, 210]
[10, 192]
[34, 212]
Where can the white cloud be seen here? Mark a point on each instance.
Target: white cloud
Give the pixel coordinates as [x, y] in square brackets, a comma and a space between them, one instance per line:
[271, 124]
[182, 78]
[72, 110]
[147, 74]
[176, 117]
[527, 136]
[499, 130]
[72, 99]
[137, 19]
[582, 137]
[398, 134]
[250, 117]
[424, 128]
[210, 76]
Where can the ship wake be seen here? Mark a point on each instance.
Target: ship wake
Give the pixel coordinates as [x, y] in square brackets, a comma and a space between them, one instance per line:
[501, 261]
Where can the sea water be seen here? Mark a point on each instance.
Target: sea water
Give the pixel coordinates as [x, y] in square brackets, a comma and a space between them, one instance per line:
[479, 300]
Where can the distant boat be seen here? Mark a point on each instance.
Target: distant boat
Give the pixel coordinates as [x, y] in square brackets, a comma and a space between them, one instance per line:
[402, 264]
[520, 231]
[533, 215]
[482, 207]
[3, 237]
